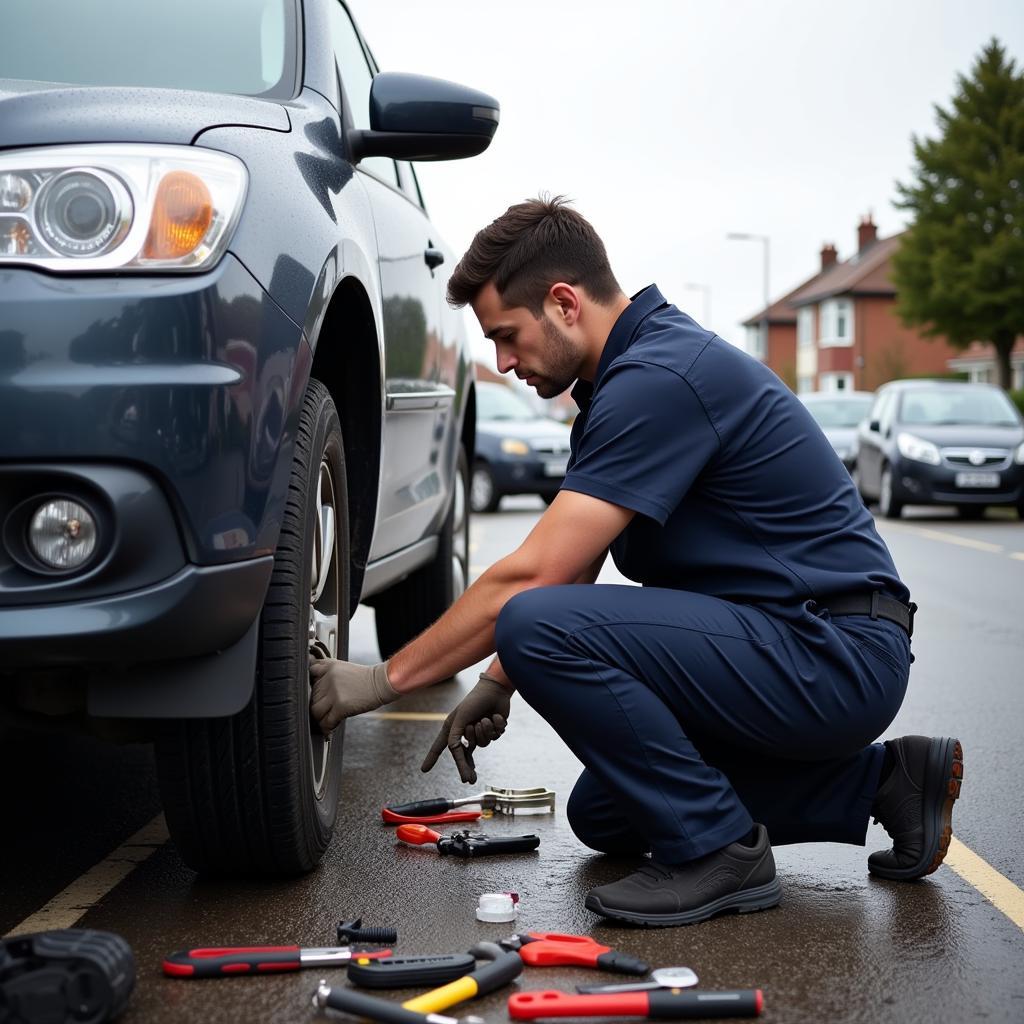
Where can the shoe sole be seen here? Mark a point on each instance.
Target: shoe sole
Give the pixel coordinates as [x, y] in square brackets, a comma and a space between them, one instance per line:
[763, 897]
[942, 784]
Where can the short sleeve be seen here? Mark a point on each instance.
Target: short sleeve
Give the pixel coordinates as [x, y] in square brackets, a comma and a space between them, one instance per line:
[646, 439]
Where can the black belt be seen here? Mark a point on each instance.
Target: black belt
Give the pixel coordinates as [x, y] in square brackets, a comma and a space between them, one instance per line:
[876, 604]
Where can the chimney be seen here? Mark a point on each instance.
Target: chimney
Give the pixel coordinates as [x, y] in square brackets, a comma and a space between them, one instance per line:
[867, 232]
[828, 256]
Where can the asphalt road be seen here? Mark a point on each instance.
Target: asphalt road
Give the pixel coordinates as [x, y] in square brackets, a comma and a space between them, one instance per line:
[842, 946]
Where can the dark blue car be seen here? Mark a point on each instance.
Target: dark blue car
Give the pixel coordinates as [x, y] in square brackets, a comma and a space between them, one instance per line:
[233, 402]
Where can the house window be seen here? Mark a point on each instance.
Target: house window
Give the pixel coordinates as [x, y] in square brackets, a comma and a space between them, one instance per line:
[756, 340]
[837, 382]
[836, 323]
[805, 327]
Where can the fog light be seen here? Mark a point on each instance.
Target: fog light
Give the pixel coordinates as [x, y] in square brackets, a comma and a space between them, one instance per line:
[62, 534]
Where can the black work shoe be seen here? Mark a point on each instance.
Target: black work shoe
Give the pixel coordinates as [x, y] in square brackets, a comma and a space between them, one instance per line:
[739, 877]
[915, 805]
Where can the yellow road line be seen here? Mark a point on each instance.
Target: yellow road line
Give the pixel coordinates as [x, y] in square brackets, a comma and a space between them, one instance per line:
[1019, 555]
[70, 905]
[949, 538]
[998, 890]
[408, 716]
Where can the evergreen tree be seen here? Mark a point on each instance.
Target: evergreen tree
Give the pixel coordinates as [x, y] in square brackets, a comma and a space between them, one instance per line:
[959, 270]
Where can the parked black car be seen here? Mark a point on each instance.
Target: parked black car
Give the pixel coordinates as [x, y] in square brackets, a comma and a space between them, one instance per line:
[518, 451]
[233, 402]
[941, 443]
[838, 413]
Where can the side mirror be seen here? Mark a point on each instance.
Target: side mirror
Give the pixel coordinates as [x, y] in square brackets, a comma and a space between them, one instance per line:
[874, 426]
[413, 117]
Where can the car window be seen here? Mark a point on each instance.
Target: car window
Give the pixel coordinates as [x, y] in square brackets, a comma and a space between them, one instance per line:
[977, 406]
[231, 46]
[356, 77]
[887, 413]
[410, 184]
[838, 412]
[498, 402]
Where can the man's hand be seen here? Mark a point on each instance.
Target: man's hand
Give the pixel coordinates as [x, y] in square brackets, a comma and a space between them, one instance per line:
[342, 689]
[481, 716]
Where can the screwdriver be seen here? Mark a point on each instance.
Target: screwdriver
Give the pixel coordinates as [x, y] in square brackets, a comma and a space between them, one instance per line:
[663, 1004]
[223, 961]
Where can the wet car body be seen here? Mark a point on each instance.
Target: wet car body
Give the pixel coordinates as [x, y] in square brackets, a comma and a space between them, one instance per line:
[169, 404]
[518, 451]
[941, 443]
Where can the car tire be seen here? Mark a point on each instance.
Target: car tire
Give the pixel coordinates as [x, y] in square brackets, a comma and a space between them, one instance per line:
[888, 507]
[971, 512]
[483, 492]
[410, 606]
[256, 793]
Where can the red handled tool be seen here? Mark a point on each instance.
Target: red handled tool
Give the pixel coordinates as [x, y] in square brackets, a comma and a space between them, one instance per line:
[224, 961]
[393, 817]
[662, 1004]
[553, 949]
[467, 844]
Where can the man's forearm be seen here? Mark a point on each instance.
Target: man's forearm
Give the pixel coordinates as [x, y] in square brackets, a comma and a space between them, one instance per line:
[462, 636]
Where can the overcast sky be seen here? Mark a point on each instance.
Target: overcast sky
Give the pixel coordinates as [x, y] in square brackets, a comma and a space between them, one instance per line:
[673, 122]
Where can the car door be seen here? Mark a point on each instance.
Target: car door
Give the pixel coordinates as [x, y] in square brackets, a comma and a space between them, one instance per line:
[869, 446]
[418, 404]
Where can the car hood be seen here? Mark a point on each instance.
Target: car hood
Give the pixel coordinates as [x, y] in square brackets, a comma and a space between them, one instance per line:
[841, 437]
[967, 436]
[48, 114]
[525, 429]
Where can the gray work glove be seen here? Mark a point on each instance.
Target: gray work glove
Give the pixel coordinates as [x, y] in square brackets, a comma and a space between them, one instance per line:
[481, 716]
[342, 689]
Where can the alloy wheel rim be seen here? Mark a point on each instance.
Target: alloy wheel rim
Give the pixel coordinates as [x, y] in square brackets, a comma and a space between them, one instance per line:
[460, 538]
[323, 608]
[482, 489]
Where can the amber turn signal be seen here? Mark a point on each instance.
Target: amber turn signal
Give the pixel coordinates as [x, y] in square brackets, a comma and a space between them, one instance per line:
[182, 215]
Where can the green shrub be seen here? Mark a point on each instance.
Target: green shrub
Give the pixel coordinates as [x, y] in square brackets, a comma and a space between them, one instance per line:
[1018, 399]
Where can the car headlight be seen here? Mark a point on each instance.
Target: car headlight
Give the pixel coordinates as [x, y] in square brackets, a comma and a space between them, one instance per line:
[512, 446]
[166, 208]
[1019, 456]
[917, 449]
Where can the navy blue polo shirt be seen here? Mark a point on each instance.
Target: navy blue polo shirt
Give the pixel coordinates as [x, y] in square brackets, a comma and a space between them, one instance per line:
[739, 493]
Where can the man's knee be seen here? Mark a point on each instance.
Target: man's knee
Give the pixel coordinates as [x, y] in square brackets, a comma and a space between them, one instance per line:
[526, 632]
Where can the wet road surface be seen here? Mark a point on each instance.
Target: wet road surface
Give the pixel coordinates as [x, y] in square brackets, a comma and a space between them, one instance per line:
[842, 946]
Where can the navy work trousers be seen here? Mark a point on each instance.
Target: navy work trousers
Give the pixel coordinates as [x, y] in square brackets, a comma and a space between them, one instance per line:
[694, 717]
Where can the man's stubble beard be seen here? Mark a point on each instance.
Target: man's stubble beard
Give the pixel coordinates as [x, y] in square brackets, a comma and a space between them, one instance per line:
[563, 361]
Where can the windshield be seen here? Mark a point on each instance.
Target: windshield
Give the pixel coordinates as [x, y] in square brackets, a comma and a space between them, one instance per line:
[838, 412]
[979, 406]
[497, 402]
[236, 46]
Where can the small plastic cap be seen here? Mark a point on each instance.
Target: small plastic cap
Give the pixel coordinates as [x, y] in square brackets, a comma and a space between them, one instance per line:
[496, 906]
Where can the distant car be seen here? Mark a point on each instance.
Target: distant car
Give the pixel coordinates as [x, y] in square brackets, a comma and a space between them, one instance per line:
[518, 451]
[941, 443]
[838, 413]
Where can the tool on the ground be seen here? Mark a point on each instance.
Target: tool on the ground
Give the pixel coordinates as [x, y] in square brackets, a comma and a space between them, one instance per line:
[409, 971]
[391, 818]
[500, 907]
[661, 977]
[67, 975]
[553, 949]
[359, 1004]
[224, 961]
[353, 931]
[663, 1004]
[467, 844]
[504, 967]
[539, 799]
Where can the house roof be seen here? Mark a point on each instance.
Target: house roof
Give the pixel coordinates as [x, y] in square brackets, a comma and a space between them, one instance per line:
[780, 311]
[865, 273]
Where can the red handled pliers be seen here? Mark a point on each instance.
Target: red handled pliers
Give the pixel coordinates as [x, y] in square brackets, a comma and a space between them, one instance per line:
[551, 949]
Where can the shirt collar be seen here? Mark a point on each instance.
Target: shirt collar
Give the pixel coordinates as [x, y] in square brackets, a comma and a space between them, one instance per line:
[621, 335]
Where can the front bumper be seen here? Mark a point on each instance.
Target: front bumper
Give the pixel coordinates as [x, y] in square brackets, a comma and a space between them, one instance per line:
[918, 483]
[527, 475]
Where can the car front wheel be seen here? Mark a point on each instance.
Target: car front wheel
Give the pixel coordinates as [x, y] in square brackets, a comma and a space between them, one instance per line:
[888, 506]
[483, 494]
[257, 792]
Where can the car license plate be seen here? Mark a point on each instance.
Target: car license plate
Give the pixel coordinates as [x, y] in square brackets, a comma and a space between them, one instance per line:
[977, 479]
[555, 467]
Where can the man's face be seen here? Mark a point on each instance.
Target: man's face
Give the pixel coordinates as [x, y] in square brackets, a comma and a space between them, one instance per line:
[538, 351]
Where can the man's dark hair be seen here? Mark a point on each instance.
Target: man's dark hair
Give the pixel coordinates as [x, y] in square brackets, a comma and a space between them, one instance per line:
[530, 247]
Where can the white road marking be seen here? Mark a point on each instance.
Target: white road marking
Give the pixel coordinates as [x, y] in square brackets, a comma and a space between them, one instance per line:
[1019, 555]
[69, 906]
[950, 538]
[996, 888]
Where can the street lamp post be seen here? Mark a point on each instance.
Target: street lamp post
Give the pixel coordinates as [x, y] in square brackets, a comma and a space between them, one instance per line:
[705, 290]
[747, 236]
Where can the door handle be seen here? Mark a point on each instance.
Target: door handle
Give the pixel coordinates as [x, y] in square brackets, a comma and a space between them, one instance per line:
[433, 258]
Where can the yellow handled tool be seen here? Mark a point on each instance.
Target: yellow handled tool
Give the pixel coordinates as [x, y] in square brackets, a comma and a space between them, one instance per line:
[503, 968]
